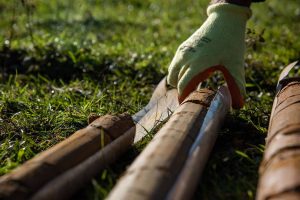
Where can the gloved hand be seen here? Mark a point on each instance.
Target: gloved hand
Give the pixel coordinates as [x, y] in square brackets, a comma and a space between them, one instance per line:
[219, 44]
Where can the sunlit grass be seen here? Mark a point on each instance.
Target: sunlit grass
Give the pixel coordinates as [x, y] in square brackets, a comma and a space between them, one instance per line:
[63, 60]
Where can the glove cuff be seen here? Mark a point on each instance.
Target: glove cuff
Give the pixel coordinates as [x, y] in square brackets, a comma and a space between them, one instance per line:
[229, 9]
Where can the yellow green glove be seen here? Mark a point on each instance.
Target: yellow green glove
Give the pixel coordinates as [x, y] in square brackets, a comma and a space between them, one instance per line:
[219, 44]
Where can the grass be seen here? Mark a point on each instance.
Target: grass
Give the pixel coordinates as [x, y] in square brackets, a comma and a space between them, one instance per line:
[63, 60]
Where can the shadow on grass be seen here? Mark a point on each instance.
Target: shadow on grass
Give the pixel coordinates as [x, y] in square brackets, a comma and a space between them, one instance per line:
[64, 65]
[50, 63]
[232, 170]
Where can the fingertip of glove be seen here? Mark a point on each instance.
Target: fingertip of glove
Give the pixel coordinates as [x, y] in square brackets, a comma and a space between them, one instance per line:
[237, 103]
[171, 81]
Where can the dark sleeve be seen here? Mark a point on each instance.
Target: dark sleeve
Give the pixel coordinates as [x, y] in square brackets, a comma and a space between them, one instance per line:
[246, 3]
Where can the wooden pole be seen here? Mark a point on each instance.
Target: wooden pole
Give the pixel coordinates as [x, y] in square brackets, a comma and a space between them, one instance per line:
[65, 185]
[280, 168]
[188, 179]
[155, 170]
[29, 177]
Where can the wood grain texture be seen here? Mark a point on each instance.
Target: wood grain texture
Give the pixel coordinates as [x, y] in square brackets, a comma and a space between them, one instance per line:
[188, 179]
[65, 185]
[155, 170]
[280, 168]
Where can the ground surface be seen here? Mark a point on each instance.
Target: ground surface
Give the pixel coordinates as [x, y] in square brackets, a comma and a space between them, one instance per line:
[63, 60]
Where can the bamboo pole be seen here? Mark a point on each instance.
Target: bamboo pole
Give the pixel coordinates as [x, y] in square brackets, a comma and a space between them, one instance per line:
[29, 177]
[188, 179]
[280, 168]
[154, 171]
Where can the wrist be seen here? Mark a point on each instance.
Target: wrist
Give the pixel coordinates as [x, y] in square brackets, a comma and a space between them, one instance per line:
[245, 3]
[232, 12]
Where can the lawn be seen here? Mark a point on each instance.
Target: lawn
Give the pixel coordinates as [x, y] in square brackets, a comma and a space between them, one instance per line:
[62, 61]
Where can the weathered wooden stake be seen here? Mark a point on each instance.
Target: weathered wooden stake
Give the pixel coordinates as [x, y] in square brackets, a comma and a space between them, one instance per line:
[153, 173]
[65, 185]
[280, 168]
[186, 183]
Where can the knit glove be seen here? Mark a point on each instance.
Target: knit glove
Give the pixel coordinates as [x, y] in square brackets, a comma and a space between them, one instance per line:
[219, 44]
